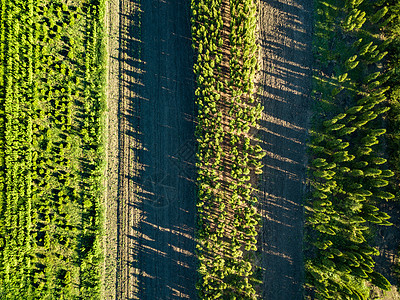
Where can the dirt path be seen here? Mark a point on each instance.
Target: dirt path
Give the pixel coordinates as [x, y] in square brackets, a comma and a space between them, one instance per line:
[151, 196]
[286, 58]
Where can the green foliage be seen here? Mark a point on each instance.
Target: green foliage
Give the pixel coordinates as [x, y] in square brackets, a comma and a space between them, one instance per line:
[43, 223]
[339, 214]
[380, 281]
[227, 218]
[379, 14]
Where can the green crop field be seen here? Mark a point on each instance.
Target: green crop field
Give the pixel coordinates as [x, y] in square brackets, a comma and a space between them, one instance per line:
[51, 148]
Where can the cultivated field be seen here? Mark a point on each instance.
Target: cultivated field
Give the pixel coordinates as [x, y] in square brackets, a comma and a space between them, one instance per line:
[203, 149]
[52, 62]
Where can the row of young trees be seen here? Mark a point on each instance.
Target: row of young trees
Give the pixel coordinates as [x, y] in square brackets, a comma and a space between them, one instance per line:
[349, 176]
[228, 158]
[92, 162]
[14, 154]
[51, 150]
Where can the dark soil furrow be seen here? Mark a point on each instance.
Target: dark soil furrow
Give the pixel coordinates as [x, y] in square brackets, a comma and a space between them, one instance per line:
[285, 83]
[151, 128]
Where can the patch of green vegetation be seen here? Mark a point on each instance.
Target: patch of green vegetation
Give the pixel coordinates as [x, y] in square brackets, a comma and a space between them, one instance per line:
[52, 68]
[227, 155]
[348, 176]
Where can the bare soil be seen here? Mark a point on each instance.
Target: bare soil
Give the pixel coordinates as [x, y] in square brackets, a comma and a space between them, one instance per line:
[285, 36]
[151, 191]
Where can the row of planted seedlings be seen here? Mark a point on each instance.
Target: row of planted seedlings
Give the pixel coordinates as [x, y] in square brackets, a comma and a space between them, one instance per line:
[228, 158]
[349, 177]
[15, 155]
[57, 190]
[92, 162]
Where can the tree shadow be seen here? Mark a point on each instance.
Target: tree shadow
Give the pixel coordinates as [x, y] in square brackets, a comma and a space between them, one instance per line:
[156, 192]
[285, 82]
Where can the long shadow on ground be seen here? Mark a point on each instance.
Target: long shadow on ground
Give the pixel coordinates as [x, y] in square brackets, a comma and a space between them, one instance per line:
[285, 37]
[158, 55]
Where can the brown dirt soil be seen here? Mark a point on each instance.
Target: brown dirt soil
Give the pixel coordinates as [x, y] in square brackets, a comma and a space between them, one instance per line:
[285, 35]
[150, 193]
